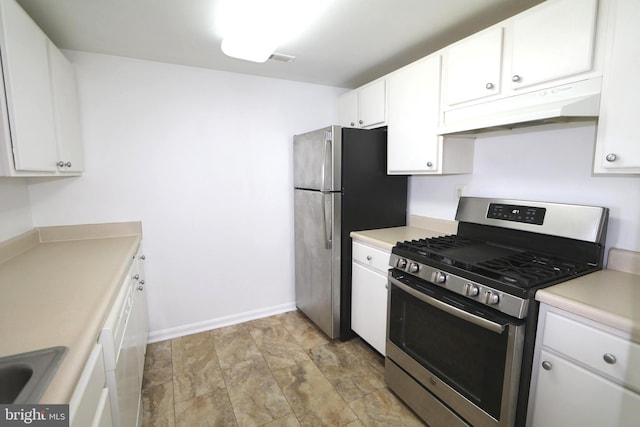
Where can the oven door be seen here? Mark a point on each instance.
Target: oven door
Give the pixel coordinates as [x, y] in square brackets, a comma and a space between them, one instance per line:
[465, 354]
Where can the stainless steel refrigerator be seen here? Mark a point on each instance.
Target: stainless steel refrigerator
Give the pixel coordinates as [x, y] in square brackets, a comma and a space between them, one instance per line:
[340, 185]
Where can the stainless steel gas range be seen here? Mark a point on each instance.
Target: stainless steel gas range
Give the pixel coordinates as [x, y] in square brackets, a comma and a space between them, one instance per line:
[461, 310]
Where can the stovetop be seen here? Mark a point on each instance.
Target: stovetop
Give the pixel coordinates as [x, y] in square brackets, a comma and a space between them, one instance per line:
[511, 267]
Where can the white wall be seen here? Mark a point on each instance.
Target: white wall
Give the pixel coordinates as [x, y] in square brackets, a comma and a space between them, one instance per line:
[15, 208]
[545, 164]
[203, 158]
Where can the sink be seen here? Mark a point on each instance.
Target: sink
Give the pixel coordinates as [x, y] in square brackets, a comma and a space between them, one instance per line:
[24, 377]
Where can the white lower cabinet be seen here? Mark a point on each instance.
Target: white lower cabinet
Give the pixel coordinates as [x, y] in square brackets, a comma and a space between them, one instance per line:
[90, 404]
[369, 294]
[124, 338]
[584, 375]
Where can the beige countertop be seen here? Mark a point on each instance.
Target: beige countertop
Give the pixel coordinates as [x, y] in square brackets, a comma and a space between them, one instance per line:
[610, 297]
[418, 228]
[57, 286]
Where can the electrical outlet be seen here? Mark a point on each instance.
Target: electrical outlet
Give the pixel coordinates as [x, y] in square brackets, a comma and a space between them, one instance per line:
[460, 190]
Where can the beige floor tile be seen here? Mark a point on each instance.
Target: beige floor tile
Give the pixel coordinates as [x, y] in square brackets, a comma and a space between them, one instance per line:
[254, 393]
[351, 376]
[277, 345]
[234, 344]
[195, 367]
[305, 332]
[279, 371]
[383, 409]
[158, 406]
[207, 410]
[312, 398]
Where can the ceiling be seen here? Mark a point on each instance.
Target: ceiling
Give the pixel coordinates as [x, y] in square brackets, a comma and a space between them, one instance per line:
[353, 42]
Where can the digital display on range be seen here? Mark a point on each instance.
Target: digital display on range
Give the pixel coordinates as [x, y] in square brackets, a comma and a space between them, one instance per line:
[515, 213]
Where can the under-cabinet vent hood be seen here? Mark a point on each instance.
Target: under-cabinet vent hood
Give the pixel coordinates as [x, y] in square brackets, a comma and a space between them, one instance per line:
[577, 101]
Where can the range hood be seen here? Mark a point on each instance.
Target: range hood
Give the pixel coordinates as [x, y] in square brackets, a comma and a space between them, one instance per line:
[579, 101]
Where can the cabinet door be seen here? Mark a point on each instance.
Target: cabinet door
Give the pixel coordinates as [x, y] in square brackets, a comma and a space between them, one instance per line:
[372, 104]
[67, 114]
[369, 306]
[618, 140]
[413, 116]
[348, 109]
[553, 41]
[28, 90]
[568, 395]
[473, 67]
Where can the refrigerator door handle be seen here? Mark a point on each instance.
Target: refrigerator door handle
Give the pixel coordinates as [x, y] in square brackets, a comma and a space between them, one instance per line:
[328, 241]
[327, 147]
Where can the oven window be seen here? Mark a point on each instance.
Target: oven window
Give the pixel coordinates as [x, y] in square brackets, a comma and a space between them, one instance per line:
[467, 357]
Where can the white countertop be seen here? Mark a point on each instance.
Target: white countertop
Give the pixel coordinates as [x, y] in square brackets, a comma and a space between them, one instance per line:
[610, 297]
[57, 286]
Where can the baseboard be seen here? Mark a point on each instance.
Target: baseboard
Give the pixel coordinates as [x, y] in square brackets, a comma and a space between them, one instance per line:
[207, 325]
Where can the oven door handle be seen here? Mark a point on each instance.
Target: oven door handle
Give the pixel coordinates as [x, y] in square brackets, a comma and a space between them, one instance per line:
[454, 311]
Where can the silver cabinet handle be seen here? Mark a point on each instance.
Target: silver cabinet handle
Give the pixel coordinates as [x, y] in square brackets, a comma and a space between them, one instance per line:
[489, 86]
[429, 164]
[611, 157]
[515, 78]
[68, 164]
[360, 121]
[142, 257]
[140, 288]
[609, 358]
[136, 277]
[353, 124]
[546, 365]
[369, 258]
[60, 164]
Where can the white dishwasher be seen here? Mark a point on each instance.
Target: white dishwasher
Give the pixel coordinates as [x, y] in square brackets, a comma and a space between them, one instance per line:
[120, 338]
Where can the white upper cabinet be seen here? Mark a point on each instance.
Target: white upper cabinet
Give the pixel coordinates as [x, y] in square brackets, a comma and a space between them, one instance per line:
[66, 112]
[38, 101]
[364, 107]
[553, 41]
[618, 137]
[413, 111]
[548, 45]
[474, 67]
[25, 65]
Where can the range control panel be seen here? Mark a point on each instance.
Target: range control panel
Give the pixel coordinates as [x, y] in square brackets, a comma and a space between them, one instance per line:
[516, 213]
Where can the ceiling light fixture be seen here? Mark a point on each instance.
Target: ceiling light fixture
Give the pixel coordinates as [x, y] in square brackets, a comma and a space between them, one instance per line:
[253, 29]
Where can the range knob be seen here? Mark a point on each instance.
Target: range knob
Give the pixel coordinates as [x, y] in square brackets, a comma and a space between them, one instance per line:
[471, 290]
[438, 277]
[413, 267]
[401, 263]
[490, 298]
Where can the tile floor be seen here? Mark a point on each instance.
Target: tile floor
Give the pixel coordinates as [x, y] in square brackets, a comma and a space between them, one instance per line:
[276, 371]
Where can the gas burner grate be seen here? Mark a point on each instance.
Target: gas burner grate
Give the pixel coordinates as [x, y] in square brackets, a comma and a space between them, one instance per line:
[527, 269]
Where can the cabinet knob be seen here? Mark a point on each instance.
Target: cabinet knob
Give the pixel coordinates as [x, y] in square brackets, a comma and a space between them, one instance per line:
[68, 164]
[60, 164]
[142, 257]
[140, 288]
[353, 123]
[136, 277]
[609, 358]
[489, 85]
[611, 157]
[369, 258]
[546, 365]
[360, 121]
[515, 78]
[429, 164]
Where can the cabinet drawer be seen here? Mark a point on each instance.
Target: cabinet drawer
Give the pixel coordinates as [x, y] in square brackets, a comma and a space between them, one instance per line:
[374, 258]
[606, 353]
